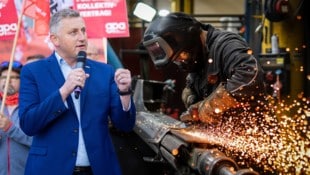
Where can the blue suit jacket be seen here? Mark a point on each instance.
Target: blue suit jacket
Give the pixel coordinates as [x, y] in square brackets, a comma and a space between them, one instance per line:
[44, 115]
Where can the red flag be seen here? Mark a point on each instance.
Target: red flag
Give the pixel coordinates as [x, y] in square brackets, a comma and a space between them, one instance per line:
[39, 10]
[29, 9]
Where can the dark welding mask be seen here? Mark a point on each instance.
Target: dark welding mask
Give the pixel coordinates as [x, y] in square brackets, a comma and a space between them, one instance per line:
[173, 38]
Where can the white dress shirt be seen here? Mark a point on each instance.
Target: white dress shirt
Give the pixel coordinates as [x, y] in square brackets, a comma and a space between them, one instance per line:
[82, 158]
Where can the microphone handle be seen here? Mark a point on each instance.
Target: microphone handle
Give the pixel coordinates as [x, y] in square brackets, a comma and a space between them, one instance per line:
[77, 92]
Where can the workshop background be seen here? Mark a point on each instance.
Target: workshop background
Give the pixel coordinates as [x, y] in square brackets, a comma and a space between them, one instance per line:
[256, 20]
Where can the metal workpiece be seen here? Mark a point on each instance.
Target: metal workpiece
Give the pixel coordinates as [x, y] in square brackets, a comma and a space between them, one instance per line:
[172, 140]
[213, 161]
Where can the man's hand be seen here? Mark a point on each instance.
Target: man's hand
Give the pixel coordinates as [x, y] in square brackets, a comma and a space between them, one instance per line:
[5, 123]
[211, 109]
[76, 77]
[188, 97]
[191, 115]
[122, 78]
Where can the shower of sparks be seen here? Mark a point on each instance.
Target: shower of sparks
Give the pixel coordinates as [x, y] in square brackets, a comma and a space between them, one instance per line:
[274, 141]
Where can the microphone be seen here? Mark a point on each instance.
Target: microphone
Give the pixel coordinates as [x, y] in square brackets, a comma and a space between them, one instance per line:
[81, 58]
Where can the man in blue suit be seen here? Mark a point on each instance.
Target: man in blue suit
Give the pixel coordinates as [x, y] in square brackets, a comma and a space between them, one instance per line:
[70, 133]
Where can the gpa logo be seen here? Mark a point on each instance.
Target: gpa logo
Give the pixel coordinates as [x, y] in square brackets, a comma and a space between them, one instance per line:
[8, 29]
[115, 27]
[3, 3]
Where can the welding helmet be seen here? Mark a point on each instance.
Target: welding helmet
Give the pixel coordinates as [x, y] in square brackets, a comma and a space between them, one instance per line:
[173, 38]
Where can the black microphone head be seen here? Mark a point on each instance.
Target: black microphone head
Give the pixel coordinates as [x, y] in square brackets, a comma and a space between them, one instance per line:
[81, 57]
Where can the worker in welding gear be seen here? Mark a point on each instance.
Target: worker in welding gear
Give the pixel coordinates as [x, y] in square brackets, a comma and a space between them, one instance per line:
[222, 72]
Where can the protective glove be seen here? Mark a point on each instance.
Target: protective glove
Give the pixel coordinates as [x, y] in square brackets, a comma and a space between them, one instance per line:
[188, 97]
[210, 110]
[191, 115]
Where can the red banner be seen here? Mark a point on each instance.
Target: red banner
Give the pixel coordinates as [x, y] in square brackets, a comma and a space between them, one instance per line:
[8, 19]
[104, 18]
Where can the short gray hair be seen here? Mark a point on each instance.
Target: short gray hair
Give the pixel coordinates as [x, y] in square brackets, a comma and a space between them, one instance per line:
[61, 14]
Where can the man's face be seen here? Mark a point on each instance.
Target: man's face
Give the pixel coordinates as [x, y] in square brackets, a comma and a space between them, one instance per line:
[14, 82]
[70, 38]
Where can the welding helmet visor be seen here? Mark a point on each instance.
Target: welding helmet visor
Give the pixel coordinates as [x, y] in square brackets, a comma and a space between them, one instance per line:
[159, 50]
